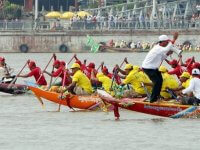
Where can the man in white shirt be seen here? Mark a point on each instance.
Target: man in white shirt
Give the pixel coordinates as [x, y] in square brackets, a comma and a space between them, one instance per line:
[5, 72]
[193, 90]
[154, 59]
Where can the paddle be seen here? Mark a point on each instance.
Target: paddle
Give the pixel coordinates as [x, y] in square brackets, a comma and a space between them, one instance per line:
[9, 86]
[63, 85]
[53, 56]
[146, 91]
[172, 94]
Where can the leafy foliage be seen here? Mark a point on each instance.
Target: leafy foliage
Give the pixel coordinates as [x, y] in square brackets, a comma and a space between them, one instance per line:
[10, 11]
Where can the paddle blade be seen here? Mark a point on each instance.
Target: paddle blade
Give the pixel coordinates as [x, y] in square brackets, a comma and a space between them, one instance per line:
[41, 102]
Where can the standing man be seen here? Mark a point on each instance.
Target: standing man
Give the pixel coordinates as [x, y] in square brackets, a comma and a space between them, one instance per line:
[154, 59]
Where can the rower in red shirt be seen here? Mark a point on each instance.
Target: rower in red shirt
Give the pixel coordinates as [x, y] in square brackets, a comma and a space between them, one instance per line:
[177, 69]
[36, 72]
[60, 73]
[90, 69]
[104, 70]
[188, 64]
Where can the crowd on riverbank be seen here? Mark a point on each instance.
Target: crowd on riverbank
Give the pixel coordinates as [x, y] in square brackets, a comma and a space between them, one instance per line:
[147, 45]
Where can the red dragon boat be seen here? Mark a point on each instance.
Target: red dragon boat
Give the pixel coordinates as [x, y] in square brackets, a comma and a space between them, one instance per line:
[163, 108]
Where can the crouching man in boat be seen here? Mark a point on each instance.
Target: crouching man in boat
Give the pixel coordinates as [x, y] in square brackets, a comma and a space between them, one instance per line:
[153, 61]
[193, 90]
[169, 82]
[105, 81]
[81, 84]
[36, 72]
[135, 77]
[185, 82]
[5, 72]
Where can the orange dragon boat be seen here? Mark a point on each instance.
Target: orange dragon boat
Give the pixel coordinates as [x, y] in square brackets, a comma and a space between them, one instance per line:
[72, 101]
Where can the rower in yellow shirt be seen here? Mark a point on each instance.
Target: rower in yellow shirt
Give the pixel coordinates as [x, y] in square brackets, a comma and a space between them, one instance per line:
[81, 84]
[169, 82]
[105, 81]
[185, 82]
[135, 77]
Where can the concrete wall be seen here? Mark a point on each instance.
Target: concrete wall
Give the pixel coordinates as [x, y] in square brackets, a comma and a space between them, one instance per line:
[76, 40]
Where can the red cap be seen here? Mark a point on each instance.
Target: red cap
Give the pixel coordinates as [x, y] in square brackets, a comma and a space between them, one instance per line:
[196, 65]
[78, 62]
[63, 63]
[2, 59]
[173, 62]
[31, 64]
[91, 65]
[105, 70]
[188, 60]
[56, 62]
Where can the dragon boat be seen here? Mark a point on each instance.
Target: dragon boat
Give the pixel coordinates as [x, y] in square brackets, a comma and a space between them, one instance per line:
[13, 88]
[170, 109]
[72, 101]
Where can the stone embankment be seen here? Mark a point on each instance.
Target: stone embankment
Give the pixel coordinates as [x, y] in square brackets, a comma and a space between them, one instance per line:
[75, 41]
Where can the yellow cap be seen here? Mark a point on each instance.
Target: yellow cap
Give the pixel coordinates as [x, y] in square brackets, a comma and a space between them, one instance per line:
[163, 69]
[75, 65]
[128, 66]
[100, 74]
[185, 75]
[137, 68]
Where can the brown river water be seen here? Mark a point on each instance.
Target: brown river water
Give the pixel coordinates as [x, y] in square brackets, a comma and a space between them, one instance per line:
[24, 125]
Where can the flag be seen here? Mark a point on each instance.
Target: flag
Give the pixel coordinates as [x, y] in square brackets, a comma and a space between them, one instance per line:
[94, 46]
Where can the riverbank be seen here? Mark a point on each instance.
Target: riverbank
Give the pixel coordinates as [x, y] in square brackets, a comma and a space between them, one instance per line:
[75, 41]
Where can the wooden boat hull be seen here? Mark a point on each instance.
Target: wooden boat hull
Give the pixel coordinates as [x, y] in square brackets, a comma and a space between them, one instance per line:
[164, 109]
[13, 89]
[74, 101]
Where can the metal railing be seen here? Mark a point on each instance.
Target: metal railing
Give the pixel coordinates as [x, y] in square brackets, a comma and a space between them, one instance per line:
[100, 25]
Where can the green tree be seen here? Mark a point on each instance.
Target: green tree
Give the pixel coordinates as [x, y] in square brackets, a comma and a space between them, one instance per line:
[10, 11]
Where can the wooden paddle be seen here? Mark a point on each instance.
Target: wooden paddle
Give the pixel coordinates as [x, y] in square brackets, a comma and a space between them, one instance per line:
[53, 56]
[63, 85]
[9, 86]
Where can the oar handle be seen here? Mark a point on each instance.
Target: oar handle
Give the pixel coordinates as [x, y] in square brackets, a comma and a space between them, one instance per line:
[70, 60]
[53, 56]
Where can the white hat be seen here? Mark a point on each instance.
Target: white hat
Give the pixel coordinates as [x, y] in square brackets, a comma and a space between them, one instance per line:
[163, 38]
[195, 72]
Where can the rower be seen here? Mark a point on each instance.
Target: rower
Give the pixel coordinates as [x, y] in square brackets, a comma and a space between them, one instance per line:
[153, 61]
[106, 72]
[105, 81]
[81, 84]
[36, 72]
[169, 82]
[135, 77]
[177, 70]
[193, 91]
[60, 73]
[5, 72]
[188, 64]
[91, 68]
